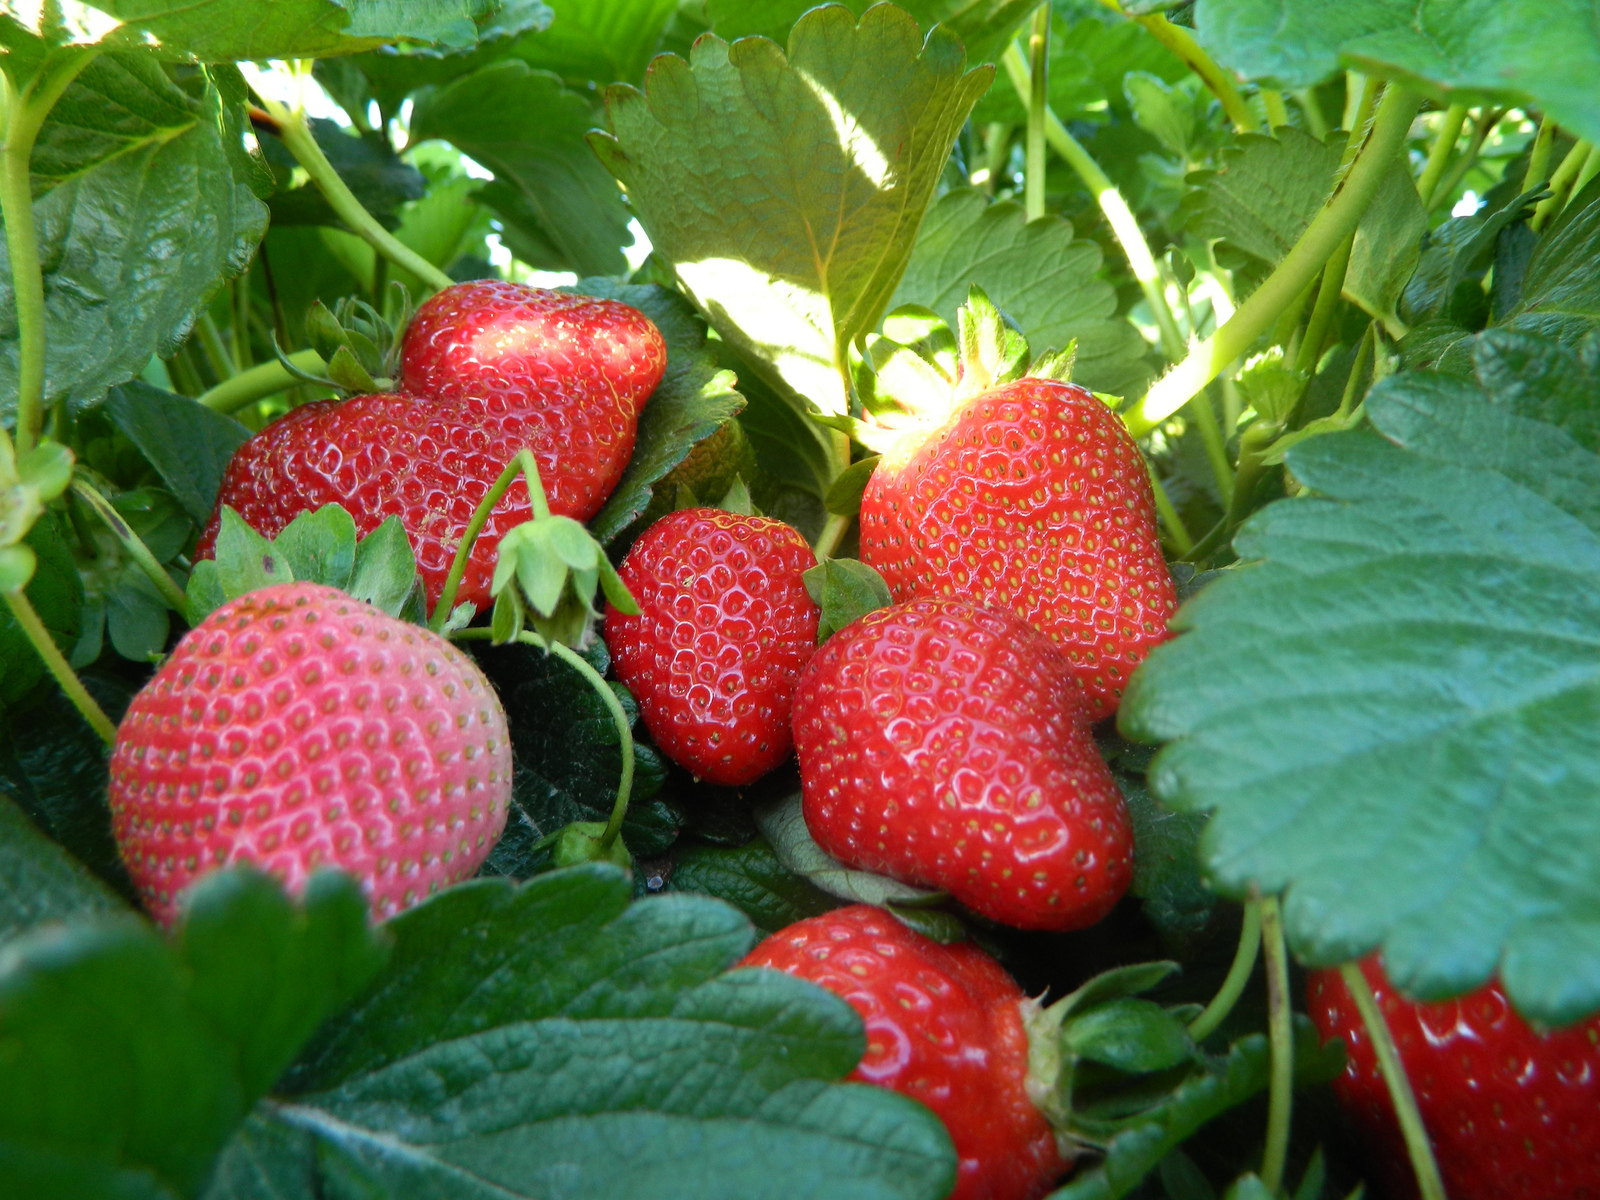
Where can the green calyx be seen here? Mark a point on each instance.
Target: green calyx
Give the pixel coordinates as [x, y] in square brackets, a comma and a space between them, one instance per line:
[545, 580]
[27, 484]
[584, 842]
[360, 346]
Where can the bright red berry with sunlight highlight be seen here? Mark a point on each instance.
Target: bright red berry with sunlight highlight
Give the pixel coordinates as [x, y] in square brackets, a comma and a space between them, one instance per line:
[297, 728]
[1513, 1114]
[946, 746]
[1031, 498]
[724, 627]
[944, 1026]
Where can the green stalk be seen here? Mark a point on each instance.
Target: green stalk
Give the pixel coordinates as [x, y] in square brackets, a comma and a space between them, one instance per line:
[1480, 133]
[1591, 168]
[1211, 438]
[1277, 112]
[1124, 226]
[1177, 531]
[130, 541]
[22, 609]
[1181, 42]
[1337, 221]
[1364, 355]
[1280, 1033]
[1253, 445]
[835, 526]
[1443, 145]
[296, 135]
[1538, 157]
[1327, 304]
[211, 343]
[1244, 962]
[524, 464]
[260, 381]
[619, 807]
[1405, 1101]
[1316, 122]
[1559, 182]
[1038, 99]
[241, 323]
[23, 115]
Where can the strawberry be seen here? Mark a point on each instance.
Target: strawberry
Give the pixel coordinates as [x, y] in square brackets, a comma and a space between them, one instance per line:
[489, 368]
[944, 1026]
[1029, 497]
[296, 728]
[945, 745]
[1513, 1114]
[724, 627]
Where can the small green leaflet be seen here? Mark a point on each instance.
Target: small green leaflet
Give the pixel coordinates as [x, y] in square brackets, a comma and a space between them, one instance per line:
[1409, 750]
[187, 443]
[784, 190]
[521, 1036]
[1516, 51]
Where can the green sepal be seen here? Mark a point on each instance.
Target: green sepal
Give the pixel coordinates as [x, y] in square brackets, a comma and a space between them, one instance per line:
[924, 332]
[735, 500]
[26, 485]
[47, 469]
[1129, 1034]
[935, 924]
[903, 379]
[993, 349]
[845, 590]
[17, 565]
[323, 331]
[579, 843]
[845, 492]
[1056, 364]
[349, 375]
[556, 565]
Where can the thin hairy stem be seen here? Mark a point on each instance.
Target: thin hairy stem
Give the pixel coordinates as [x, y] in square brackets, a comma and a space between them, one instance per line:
[45, 645]
[1280, 1034]
[1244, 962]
[260, 381]
[135, 547]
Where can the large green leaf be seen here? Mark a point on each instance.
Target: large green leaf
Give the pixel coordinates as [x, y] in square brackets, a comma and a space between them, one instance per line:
[598, 41]
[1465, 51]
[693, 400]
[1561, 290]
[553, 1039]
[982, 25]
[39, 881]
[1409, 744]
[1036, 272]
[118, 103]
[134, 1057]
[785, 190]
[528, 129]
[109, 301]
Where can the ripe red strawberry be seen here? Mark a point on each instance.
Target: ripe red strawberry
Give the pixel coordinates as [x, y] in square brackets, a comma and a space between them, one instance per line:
[588, 365]
[297, 727]
[1513, 1114]
[946, 746]
[490, 368]
[944, 1026]
[724, 627]
[1031, 498]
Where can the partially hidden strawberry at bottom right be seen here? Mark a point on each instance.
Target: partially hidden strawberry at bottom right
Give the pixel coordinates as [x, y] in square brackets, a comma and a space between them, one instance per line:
[1031, 498]
[1512, 1113]
[946, 746]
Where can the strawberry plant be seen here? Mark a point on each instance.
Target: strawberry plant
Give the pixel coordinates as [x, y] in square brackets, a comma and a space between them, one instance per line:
[738, 599]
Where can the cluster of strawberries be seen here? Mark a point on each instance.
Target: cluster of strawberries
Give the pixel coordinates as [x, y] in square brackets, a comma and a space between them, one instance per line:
[944, 740]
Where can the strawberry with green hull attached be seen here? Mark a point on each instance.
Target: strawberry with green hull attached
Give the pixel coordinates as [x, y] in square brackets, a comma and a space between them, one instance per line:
[297, 728]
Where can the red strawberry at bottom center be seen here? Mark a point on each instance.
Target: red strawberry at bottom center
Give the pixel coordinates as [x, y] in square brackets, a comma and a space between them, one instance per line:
[947, 746]
[724, 627]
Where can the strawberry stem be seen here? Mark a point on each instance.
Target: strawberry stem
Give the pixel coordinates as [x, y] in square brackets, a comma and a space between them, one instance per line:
[1280, 1033]
[1429, 1184]
[259, 382]
[619, 717]
[1038, 98]
[23, 114]
[1244, 962]
[523, 463]
[1445, 143]
[1337, 220]
[130, 541]
[1181, 42]
[22, 609]
[297, 137]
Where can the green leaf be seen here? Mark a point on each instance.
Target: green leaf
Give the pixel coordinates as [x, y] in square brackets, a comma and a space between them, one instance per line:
[56, 593]
[783, 824]
[1037, 273]
[750, 878]
[1387, 244]
[693, 401]
[378, 177]
[1137, 1144]
[320, 546]
[993, 350]
[1166, 864]
[1561, 290]
[1265, 191]
[1161, 110]
[1129, 1034]
[109, 302]
[529, 130]
[984, 26]
[845, 493]
[136, 616]
[1517, 51]
[1408, 748]
[40, 881]
[1074, 79]
[598, 41]
[570, 1023]
[567, 758]
[143, 1054]
[187, 443]
[384, 572]
[845, 590]
[784, 190]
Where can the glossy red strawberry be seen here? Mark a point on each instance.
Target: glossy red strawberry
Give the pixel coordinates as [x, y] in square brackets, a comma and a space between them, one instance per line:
[945, 745]
[1031, 498]
[297, 728]
[944, 1026]
[1513, 1114]
[724, 627]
